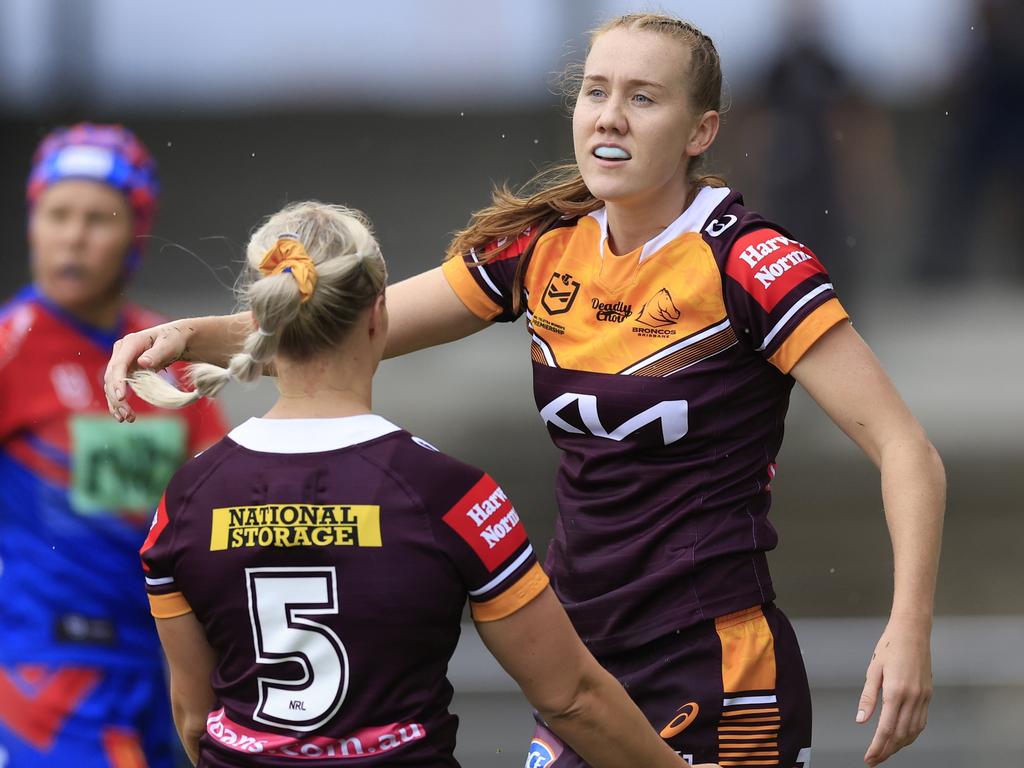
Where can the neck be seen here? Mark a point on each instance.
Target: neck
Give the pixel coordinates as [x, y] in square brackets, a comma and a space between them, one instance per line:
[103, 313]
[631, 223]
[336, 384]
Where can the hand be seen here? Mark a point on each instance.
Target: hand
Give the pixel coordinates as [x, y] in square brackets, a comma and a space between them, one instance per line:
[154, 348]
[901, 668]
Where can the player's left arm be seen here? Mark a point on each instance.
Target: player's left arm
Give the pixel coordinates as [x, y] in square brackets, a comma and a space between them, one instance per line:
[191, 661]
[846, 379]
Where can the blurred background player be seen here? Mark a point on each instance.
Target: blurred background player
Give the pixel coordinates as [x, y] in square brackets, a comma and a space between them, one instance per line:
[328, 582]
[81, 678]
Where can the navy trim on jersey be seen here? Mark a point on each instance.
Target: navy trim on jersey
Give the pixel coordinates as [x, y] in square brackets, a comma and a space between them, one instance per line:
[101, 337]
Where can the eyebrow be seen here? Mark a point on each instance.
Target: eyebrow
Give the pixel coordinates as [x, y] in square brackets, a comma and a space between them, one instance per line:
[632, 82]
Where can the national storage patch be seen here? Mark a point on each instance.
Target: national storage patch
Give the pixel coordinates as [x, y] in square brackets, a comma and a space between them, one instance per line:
[295, 525]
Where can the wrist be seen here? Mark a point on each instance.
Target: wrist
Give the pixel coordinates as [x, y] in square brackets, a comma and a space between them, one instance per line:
[912, 619]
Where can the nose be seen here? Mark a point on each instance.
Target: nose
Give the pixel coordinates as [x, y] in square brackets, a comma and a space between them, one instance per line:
[612, 117]
[75, 231]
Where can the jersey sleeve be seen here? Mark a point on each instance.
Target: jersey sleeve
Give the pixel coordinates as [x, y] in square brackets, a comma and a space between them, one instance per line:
[14, 327]
[165, 598]
[479, 529]
[778, 295]
[485, 284]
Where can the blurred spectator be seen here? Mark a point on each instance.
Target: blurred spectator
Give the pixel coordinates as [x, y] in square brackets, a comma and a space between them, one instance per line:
[825, 151]
[980, 167]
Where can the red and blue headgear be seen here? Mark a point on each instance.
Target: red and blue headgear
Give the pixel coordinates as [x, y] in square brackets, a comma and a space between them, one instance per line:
[110, 154]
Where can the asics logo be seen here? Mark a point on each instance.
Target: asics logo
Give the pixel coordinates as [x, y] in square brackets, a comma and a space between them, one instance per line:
[685, 715]
[673, 415]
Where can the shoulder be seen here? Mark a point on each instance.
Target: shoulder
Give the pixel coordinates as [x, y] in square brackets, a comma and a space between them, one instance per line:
[726, 220]
[760, 255]
[191, 475]
[423, 468]
[17, 318]
[532, 236]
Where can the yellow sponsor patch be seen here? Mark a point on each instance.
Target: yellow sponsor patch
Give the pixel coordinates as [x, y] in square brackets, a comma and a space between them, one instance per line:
[295, 525]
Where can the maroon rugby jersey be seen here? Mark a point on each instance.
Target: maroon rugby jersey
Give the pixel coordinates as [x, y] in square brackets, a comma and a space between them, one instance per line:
[328, 561]
[662, 375]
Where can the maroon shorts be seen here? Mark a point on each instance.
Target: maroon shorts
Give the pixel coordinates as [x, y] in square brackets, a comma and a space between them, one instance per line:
[731, 690]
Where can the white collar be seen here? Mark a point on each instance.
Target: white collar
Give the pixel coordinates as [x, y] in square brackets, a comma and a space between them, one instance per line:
[309, 435]
[690, 220]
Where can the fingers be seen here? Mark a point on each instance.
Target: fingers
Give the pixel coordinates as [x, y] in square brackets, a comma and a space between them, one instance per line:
[155, 348]
[904, 715]
[869, 695]
[881, 746]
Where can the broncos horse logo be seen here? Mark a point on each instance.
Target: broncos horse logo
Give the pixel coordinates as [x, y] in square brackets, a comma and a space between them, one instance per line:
[659, 310]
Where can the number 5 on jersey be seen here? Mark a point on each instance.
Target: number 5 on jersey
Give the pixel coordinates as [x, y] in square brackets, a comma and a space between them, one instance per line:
[281, 604]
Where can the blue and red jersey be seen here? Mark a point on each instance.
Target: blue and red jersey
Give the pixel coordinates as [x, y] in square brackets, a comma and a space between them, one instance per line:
[77, 491]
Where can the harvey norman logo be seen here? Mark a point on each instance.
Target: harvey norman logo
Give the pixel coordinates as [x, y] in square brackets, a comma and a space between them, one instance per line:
[295, 525]
[767, 274]
[487, 521]
[482, 512]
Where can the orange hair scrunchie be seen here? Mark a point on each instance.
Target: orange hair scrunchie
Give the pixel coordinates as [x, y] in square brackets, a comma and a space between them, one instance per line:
[289, 255]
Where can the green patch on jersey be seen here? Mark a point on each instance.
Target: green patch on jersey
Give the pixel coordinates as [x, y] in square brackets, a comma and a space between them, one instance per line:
[123, 467]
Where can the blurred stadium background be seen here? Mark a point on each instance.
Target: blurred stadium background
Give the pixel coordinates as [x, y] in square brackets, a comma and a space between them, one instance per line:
[887, 134]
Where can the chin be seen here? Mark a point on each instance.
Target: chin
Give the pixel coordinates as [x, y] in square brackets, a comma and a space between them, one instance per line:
[76, 299]
[605, 190]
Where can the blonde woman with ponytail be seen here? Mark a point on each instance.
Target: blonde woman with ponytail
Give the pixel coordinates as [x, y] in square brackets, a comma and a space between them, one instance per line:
[667, 324]
[273, 552]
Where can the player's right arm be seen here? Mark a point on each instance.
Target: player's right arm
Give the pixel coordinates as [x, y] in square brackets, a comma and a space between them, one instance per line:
[423, 311]
[578, 699]
[190, 660]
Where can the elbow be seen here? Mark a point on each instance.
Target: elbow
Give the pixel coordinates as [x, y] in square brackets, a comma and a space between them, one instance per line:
[936, 466]
[569, 704]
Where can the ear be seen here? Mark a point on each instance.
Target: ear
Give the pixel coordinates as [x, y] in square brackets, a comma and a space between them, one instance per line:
[704, 134]
[379, 316]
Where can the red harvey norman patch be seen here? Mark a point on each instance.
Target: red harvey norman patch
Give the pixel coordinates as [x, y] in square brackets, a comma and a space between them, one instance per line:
[487, 521]
[769, 265]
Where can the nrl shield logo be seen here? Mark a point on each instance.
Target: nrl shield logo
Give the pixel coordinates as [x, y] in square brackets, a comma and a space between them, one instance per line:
[560, 293]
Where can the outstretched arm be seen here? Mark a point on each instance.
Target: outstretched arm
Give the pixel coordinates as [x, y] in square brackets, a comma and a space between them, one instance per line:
[846, 379]
[423, 312]
[191, 660]
[577, 698]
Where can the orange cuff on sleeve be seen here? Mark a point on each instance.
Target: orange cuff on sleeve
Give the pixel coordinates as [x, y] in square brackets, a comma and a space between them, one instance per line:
[804, 335]
[456, 272]
[531, 584]
[168, 606]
